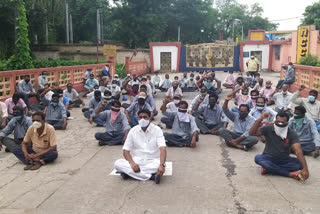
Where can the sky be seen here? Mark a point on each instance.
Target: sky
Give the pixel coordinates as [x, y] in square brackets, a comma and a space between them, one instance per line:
[282, 9]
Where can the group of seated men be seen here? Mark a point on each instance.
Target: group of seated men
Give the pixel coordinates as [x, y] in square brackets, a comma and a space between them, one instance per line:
[252, 117]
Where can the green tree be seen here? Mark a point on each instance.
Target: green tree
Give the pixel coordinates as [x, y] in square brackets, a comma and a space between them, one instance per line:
[312, 15]
[22, 58]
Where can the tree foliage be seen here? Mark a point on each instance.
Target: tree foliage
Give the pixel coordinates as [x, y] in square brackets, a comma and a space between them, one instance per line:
[133, 23]
[312, 15]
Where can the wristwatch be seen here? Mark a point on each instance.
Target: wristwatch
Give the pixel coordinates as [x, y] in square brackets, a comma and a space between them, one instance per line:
[163, 164]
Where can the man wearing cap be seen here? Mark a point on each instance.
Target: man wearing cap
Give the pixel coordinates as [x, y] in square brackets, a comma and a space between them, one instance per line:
[90, 84]
[114, 89]
[115, 122]
[117, 80]
[149, 99]
[253, 66]
[184, 129]
[132, 111]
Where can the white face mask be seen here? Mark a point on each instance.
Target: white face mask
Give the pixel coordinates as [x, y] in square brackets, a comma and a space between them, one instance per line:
[176, 102]
[144, 123]
[36, 125]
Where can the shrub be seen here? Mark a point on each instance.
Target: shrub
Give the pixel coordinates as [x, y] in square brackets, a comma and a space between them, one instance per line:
[309, 60]
[121, 70]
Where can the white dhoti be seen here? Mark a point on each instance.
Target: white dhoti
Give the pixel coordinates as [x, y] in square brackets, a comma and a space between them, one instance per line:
[147, 168]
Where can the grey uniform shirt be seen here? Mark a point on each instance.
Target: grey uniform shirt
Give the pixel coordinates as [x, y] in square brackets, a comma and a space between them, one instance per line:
[240, 126]
[183, 129]
[308, 132]
[281, 100]
[313, 109]
[290, 75]
[196, 100]
[149, 100]
[56, 112]
[25, 87]
[71, 95]
[135, 108]
[19, 129]
[257, 114]
[120, 124]
[212, 116]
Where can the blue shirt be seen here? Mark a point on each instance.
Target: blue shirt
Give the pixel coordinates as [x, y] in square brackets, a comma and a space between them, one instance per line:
[240, 126]
[308, 133]
[290, 75]
[212, 116]
[56, 112]
[65, 100]
[25, 87]
[20, 129]
[91, 83]
[105, 72]
[257, 114]
[120, 124]
[94, 105]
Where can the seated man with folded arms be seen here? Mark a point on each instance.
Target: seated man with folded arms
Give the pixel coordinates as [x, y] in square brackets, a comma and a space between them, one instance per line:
[56, 114]
[74, 98]
[172, 107]
[211, 117]
[280, 141]
[306, 130]
[184, 128]
[132, 111]
[13, 101]
[39, 146]
[174, 90]
[19, 125]
[144, 151]
[115, 122]
[311, 104]
[238, 138]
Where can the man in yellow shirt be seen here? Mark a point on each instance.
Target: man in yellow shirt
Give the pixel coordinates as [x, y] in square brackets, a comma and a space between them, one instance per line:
[253, 65]
[39, 145]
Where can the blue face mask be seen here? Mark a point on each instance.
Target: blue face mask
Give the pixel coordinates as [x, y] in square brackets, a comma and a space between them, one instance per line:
[208, 85]
[311, 99]
[54, 103]
[18, 117]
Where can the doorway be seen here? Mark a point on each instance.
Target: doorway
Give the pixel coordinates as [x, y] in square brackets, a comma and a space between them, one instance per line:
[165, 62]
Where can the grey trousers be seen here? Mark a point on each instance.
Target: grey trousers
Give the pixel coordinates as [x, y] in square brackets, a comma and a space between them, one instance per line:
[205, 128]
[228, 135]
[177, 140]
[11, 144]
[110, 138]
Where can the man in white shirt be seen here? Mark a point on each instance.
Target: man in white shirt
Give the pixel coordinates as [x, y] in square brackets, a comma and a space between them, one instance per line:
[42, 80]
[144, 151]
[174, 90]
[282, 99]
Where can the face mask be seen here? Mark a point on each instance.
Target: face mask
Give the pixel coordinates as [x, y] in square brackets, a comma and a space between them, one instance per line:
[284, 92]
[181, 110]
[44, 75]
[17, 117]
[27, 81]
[254, 97]
[289, 66]
[212, 105]
[191, 79]
[243, 115]
[176, 102]
[143, 123]
[203, 93]
[55, 103]
[36, 124]
[141, 101]
[280, 124]
[312, 99]
[268, 87]
[298, 116]
[91, 78]
[98, 99]
[208, 85]
[260, 107]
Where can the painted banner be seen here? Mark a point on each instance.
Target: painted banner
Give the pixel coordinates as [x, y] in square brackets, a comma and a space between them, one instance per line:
[209, 56]
[110, 50]
[303, 42]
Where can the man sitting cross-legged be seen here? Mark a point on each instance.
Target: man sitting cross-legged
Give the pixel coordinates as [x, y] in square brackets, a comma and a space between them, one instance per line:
[39, 145]
[115, 122]
[184, 129]
[144, 151]
[238, 138]
[280, 141]
[211, 117]
[74, 98]
[306, 130]
[19, 125]
[56, 114]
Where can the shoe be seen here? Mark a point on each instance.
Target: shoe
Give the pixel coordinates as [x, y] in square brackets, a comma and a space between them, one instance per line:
[157, 179]
[124, 175]
[36, 166]
[28, 167]
[263, 171]
[101, 143]
[7, 150]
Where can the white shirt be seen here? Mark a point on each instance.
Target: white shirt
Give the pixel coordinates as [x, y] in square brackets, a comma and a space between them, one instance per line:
[114, 90]
[171, 93]
[282, 101]
[145, 145]
[313, 110]
[4, 110]
[48, 95]
[172, 107]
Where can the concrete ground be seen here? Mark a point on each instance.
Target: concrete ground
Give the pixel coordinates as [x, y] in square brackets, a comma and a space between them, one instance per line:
[211, 178]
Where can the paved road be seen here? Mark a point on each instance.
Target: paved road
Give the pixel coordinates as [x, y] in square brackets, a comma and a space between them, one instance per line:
[209, 179]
